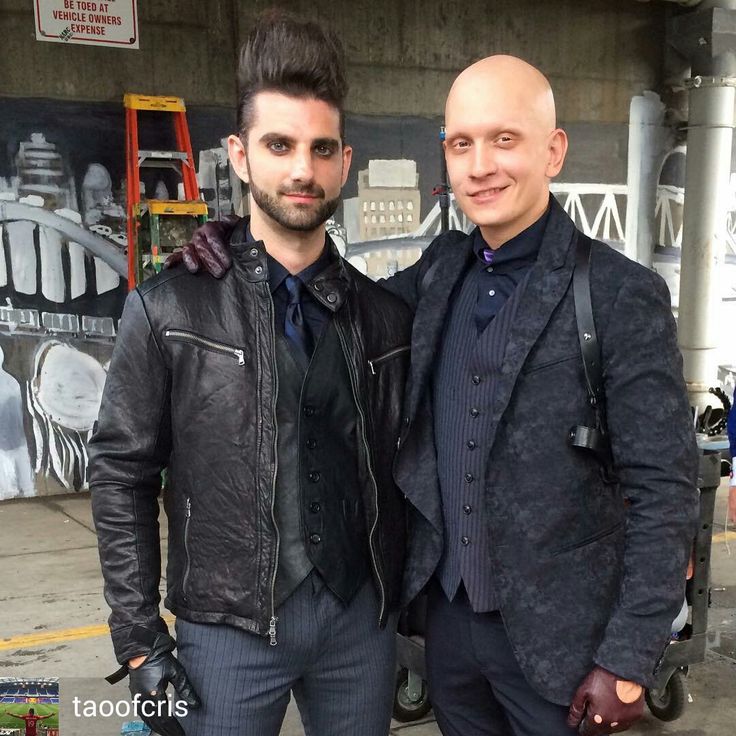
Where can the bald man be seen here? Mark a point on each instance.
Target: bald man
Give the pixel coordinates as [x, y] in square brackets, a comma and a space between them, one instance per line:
[552, 576]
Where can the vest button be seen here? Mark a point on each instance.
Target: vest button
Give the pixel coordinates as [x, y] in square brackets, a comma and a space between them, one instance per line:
[474, 412]
[465, 541]
[467, 508]
[471, 444]
[468, 477]
[314, 507]
[476, 380]
[314, 476]
[315, 538]
[308, 411]
[311, 444]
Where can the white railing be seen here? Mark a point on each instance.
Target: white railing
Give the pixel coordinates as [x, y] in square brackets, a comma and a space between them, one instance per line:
[599, 210]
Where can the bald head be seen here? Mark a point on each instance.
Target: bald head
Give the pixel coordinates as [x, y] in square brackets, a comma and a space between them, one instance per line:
[502, 145]
[504, 81]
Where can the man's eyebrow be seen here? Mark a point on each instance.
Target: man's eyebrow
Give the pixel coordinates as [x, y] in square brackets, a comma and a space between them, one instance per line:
[326, 142]
[271, 137]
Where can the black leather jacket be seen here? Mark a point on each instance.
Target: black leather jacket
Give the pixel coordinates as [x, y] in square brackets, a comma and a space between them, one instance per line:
[192, 388]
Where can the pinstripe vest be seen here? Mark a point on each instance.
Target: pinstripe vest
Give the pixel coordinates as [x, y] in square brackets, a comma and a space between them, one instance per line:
[464, 388]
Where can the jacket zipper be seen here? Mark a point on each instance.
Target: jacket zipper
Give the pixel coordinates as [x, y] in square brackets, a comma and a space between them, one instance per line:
[204, 342]
[361, 415]
[272, 330]
[186, 547]
[387, 356]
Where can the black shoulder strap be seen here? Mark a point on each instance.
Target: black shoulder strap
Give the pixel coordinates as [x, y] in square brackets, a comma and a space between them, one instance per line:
[590, 438]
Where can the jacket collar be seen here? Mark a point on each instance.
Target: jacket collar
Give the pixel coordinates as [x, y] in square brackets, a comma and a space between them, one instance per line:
[432, 311]
[549, 281]
[329, 287]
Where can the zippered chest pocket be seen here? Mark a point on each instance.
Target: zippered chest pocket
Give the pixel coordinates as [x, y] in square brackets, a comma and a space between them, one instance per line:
[205, 343]
[375, 363]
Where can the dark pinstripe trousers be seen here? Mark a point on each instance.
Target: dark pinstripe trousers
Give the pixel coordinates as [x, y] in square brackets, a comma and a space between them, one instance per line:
[337, 662]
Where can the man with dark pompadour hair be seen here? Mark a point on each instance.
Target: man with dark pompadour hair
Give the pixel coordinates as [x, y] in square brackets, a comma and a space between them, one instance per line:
[273, 397]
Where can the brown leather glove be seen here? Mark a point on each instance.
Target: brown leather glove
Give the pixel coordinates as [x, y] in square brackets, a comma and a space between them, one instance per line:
[208, 248]
[605, 704]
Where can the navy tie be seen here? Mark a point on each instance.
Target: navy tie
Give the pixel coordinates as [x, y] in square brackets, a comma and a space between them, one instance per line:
[295, 328]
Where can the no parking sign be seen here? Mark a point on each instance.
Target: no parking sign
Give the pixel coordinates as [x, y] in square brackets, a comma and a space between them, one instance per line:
[91, 22]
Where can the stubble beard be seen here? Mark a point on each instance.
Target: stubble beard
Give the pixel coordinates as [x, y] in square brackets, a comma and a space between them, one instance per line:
[294, 217]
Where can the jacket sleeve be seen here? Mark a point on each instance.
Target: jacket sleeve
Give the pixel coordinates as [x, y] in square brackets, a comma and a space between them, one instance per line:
[128, 451]
[656, 460]
[410, 283]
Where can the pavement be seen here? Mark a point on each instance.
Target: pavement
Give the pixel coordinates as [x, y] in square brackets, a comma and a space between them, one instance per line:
[53, 624]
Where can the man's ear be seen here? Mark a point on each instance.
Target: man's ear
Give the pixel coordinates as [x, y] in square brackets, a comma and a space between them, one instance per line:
[238, 157]
[347, 157]
[557, 149]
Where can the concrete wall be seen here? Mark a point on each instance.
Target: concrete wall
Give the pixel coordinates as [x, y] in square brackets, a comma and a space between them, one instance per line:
[402, 55]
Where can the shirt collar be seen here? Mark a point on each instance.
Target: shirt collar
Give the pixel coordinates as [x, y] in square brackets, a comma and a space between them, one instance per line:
[277, 273]
[522, 247]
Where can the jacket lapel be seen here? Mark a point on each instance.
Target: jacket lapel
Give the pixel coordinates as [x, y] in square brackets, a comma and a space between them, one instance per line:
[548, 282]
[429, 319]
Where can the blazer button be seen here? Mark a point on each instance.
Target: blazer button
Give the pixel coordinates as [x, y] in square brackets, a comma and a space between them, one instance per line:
[314, 507]
[331, 298]
[308, 411]
[315, 538]
[311, 444]
[406, 421]
[314, 476]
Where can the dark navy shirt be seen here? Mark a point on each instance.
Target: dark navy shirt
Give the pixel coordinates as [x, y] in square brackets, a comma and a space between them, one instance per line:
[510, 263]
[316, 315]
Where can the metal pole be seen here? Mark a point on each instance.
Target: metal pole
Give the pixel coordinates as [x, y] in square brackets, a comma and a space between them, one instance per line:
[707, 172]
[647, 142]
[444, 187]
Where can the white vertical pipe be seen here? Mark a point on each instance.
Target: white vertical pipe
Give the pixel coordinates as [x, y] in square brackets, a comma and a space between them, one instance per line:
[707, 174]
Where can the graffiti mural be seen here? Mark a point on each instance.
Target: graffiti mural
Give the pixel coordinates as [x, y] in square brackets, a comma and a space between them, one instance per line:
[63, 269]
[63, 254]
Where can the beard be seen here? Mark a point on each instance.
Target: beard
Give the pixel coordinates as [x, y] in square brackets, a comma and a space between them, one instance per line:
[294, 217]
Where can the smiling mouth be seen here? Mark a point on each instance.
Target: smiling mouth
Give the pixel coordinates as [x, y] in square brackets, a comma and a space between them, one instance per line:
[485, 193]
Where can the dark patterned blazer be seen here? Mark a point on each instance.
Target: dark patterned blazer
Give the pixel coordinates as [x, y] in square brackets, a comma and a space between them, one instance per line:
[589, 570]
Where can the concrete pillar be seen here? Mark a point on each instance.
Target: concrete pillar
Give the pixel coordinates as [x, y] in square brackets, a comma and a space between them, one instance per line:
[648, 140]
[707, 37]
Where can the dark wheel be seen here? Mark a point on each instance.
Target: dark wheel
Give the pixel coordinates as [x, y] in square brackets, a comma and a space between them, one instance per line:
[406, 709]
[669, 703]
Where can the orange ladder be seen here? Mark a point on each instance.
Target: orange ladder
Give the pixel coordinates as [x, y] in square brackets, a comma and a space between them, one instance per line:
[181, 160]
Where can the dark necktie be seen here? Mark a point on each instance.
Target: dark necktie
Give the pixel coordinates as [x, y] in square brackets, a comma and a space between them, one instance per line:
[481, 319]
[295, 328]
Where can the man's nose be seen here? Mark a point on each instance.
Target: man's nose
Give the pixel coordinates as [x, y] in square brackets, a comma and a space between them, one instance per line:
[301, 165]
[484, 161]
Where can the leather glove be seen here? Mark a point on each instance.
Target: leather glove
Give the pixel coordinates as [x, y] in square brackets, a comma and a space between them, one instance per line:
[605, 704]
[148, 684]
[208, 248]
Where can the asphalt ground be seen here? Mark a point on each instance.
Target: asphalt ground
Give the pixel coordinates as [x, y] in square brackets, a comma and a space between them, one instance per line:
[53, 624]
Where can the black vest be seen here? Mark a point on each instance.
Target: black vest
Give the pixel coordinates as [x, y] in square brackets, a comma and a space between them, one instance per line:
[319, 508]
